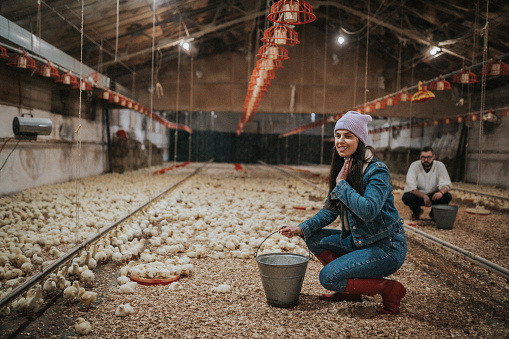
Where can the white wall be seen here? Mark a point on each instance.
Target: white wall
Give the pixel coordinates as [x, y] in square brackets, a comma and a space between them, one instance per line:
[53, 158]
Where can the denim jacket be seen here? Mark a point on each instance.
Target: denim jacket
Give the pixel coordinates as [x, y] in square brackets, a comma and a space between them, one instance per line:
[372, 215]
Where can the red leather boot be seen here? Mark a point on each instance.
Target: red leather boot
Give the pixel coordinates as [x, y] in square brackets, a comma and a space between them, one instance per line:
[391, 291]
[326, 257]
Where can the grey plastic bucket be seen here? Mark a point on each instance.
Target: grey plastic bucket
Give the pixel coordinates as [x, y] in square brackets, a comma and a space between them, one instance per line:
[445, 215]
[282, 275]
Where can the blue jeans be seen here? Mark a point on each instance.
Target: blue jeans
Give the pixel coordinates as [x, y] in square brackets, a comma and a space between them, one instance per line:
[377, 260]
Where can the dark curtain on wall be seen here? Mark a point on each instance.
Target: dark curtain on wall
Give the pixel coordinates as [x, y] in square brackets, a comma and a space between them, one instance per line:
[248, 148]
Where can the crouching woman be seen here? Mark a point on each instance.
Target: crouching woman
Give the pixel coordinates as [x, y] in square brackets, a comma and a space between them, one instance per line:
[371, 244]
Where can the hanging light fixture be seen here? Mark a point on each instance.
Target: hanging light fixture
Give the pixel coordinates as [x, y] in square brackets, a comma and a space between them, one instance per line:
[294, 12]
[273, 51]
[269, 64]
[369, 108]
[496, 68]
[105, 95]
[473, 117]
[47, 70]
[280, 35]
[259, 81]
[83, 85]
[264, 73]
[465, 77]
[3, 53]
[422, 94]
[440, 85]
[114, 98]
[490, 116]
[379, 105]
[391, 101]
[21, 61]
[404, 96]
[67, 79]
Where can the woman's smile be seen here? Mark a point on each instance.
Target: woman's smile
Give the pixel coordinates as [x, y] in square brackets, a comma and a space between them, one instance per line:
[345, 142]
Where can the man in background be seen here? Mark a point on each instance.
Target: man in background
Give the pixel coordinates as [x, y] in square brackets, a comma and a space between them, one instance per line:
[427, 183]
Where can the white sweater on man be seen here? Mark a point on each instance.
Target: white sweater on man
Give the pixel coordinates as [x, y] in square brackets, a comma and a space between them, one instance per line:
[429, 182]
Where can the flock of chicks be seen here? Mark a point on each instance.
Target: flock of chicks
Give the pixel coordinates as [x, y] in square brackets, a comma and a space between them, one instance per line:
[224, 218]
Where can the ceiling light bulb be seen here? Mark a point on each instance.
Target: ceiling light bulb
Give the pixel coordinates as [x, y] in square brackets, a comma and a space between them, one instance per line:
[185, 45]
[341, 40]
[434, 50]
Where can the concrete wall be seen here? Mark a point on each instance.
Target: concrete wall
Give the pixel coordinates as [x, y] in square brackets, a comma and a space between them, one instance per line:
[53, 158]
[492, 163]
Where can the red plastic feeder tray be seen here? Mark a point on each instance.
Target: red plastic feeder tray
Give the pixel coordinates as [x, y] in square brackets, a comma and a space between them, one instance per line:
[152, 282]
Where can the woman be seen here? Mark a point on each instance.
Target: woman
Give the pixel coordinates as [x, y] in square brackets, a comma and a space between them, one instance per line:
[371, 244]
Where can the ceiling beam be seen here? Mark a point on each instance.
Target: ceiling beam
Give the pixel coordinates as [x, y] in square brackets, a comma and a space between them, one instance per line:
[169, 42]
[412, 35]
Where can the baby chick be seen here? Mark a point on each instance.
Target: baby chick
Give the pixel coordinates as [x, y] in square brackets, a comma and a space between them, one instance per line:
[82, 327]
[124, 310]
[87, 297]
[50, 286]
[87, 276]
[71, 292]
[223, 288]
[34, 303]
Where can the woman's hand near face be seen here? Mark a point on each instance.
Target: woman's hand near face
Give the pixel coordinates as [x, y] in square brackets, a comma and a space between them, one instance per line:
[290, 231]
[345, 170]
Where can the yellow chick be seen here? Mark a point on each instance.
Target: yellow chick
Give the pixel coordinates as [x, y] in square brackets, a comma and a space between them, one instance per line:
[50, 286]
[87, 297]
[71, 292]
[124, 310]
[82, 327]
[35, 303]
[87, 276]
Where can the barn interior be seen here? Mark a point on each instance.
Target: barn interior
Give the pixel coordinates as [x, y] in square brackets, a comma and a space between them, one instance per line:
[113, 104]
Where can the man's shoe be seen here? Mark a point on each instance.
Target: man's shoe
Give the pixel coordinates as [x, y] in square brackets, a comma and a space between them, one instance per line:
[417, 214]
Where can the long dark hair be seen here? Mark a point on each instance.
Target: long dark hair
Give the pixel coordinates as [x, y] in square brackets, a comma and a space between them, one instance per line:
[355, 175]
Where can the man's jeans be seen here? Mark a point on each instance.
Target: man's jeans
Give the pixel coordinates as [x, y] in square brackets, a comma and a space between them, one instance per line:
[415, 203]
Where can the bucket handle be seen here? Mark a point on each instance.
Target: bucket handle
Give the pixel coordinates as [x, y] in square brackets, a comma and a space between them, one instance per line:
[310, 256]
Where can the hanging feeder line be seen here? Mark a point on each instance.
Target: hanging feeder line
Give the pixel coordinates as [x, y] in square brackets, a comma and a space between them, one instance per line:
[77, 249]
[126, 102]
[478, 260]
[372, 102]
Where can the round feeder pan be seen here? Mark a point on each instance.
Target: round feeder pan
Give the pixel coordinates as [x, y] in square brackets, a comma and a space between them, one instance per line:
[152, 282]
[478, 211]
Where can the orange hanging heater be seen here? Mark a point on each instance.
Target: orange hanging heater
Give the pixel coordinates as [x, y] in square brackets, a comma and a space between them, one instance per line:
[105, 95]
[422, 94]
[379, 105]
[269, 64]
[391, 101]
[280, 35]
[496, 68]
[47, 70]
[21, 61]
[404, 96]
[291, 12]
[3, 53]
[465, 77]
[273, 51]
[83, 85]
[440, 85]
[67, 79]
[114, 98]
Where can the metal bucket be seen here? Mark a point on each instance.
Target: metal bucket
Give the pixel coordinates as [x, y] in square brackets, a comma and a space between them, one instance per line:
[282, 276]
[445, 215]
